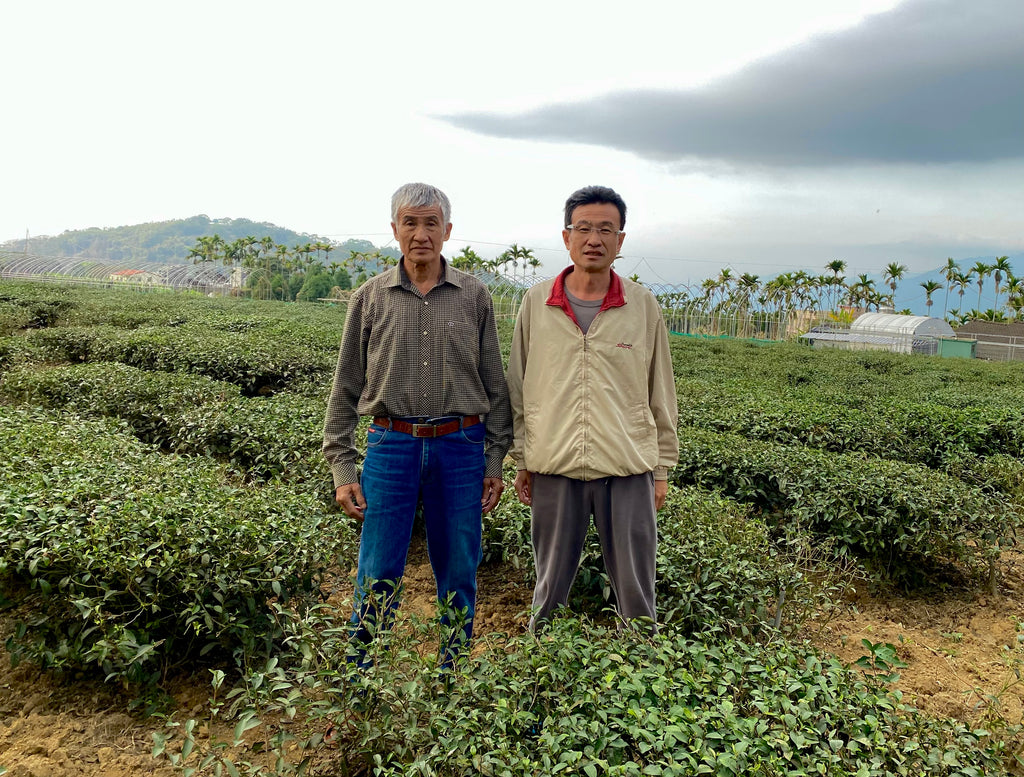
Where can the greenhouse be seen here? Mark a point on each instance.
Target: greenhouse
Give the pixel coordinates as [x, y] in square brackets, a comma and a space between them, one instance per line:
[884, 331]
[207, 278]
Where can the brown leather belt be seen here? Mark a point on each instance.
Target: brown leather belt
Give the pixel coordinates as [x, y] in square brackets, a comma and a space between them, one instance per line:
[427, 430]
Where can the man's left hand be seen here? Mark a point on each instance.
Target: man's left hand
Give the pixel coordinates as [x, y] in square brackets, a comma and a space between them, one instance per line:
[660, 492]
[492, 493]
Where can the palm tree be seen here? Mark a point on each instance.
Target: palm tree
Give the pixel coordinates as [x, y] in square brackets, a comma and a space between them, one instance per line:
[836, 266]
[893, 273]
[514, 255]
[930, 287]
[726, 284]
[286, 262]
[748, 284]
[356, 260]
[384, 260]
[709, 287]
[961, 280]
[524, 256]
[801, 287]
[746, 288]
[982, 270]
[242, 251]
[499, 262]
[208, 249]
[1015, 295]
[1002, 264]
[863, 290]
[467, 259]
[947, 272]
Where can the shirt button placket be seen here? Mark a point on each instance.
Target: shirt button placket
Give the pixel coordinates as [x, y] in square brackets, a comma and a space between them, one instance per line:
[425, 348]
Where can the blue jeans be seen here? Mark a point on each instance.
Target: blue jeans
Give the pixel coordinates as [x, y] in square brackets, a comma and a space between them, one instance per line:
[445, 474]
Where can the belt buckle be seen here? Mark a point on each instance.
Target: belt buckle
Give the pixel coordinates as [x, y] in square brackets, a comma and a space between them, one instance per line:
[422, 430]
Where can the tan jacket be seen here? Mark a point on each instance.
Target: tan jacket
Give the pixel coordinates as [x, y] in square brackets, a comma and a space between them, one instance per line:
[592, 406]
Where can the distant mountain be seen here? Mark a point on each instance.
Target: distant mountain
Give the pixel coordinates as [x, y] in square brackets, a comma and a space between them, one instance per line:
[168, 242]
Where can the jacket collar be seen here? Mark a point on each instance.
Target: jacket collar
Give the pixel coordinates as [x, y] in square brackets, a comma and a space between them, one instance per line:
[614, 298]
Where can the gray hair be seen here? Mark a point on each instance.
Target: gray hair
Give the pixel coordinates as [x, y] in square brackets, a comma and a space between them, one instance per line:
[420, 195]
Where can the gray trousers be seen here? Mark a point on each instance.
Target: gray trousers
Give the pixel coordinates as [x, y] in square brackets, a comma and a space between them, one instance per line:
[626, 522]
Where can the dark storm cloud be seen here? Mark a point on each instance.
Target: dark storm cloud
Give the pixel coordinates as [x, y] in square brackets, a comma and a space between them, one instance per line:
[930, 81]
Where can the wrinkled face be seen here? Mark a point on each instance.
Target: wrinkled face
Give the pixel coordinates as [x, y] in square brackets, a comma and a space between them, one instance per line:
[421, 233]
[594, 252]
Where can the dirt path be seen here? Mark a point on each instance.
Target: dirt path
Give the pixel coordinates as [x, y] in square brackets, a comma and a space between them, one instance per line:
[961, 652]
[965, 654]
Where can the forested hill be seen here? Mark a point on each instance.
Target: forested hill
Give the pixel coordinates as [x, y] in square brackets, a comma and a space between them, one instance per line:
[165, 241]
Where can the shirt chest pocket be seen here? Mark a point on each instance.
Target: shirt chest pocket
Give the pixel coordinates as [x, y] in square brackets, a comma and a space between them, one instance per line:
[462, 346]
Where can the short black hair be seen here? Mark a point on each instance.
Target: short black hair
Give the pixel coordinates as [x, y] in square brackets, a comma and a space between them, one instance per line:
[589, 195]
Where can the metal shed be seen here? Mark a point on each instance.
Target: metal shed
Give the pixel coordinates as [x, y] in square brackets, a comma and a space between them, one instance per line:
[884, 331]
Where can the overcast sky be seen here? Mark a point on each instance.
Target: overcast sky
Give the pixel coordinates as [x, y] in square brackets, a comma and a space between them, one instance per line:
[764, 137]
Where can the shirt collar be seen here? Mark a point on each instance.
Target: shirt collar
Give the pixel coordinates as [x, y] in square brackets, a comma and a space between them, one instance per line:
[399, 277]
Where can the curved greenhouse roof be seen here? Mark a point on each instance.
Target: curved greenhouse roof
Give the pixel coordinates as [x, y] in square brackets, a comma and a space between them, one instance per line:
[896, 324]
[81, 270]
[885, 331]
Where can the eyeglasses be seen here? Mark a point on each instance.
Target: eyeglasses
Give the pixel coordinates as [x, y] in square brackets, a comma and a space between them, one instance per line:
[586, 230]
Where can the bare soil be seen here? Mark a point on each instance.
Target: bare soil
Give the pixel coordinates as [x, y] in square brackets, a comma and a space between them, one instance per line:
[962, 654]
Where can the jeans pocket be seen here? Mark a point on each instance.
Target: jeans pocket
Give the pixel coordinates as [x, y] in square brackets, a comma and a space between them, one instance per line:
[474, 434]
[375, 435]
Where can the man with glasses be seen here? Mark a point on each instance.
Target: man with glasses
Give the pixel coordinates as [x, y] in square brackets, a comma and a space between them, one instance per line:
[594, 414]
[420, 357]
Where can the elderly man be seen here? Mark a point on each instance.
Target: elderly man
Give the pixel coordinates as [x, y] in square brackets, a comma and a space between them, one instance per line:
[594, 411]
[420, 356]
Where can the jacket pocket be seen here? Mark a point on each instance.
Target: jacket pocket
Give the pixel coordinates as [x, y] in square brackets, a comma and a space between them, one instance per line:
[647, 442]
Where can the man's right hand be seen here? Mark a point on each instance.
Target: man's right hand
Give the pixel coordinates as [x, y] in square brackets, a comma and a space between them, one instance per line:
[522, 486]
[350, 499]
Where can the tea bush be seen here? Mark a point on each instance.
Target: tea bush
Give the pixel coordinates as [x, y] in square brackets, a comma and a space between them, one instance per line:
[13, 318]
[719, 573]
[132, 557]
[912, 431]
[138, 560]
[892, 515]
[256, 363]
[319, 325]
[14, 351]
[717, 569]
[261, 437]
[29, 308]
[850, 378]
[579, 699]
